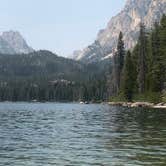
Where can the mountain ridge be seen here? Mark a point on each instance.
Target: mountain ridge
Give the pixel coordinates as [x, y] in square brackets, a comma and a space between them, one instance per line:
[127, 21]
[12, 42]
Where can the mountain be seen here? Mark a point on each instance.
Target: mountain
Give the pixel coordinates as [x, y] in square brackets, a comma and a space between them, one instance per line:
[43, 65]
[44, 76]
[127, 21]
[11, 42]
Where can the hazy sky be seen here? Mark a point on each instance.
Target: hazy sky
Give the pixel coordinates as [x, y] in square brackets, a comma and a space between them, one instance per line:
[58, 25]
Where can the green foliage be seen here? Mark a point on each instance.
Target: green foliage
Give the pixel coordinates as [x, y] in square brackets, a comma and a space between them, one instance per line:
[43, 76]
[129, 77]
[162, 34]
[157, 67]
[118, 59]
[142, 59]
[147, 63]
[164, 96]
[118, 98]
[152, 78]
[154, 97]
[120, 52]
[41, 64]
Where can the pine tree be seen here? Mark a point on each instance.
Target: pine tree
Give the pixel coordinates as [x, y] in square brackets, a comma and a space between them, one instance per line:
[157, 61]
[129, 77]
[119, 61]
[162, 34]
[158, 40]
[142, 59]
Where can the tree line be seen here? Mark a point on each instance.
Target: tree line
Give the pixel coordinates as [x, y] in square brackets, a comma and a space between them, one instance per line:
[140, 73]
[57, 90]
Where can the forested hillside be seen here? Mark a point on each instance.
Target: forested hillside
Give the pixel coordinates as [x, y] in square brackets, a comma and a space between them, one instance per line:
[44, 76]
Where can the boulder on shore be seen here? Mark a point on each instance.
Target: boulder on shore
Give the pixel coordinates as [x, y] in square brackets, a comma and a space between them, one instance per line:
[129, 104]
[142, 104]
[138, 104]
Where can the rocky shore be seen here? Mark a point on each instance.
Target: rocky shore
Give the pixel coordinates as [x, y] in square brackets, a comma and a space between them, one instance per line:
[138, 104]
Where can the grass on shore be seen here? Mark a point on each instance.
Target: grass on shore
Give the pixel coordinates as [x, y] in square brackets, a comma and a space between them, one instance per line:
[152, 97]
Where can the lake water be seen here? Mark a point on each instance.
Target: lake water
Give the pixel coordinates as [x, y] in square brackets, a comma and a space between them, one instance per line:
[50, 134]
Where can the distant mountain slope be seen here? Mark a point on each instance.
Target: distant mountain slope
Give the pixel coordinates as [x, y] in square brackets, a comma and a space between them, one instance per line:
[11, 42]
[127, 21]
[42, 64]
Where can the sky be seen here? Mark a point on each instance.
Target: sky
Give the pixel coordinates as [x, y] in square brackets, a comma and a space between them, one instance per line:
[60, 26]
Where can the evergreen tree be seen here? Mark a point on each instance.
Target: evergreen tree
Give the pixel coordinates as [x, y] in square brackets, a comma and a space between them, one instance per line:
[119, 61]
[142, 59]
[135, 58]
[145, 71]
[162, 34]
[157, 60]
[129, 77]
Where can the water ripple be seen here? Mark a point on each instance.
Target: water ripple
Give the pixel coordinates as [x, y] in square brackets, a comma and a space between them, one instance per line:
[36, 134]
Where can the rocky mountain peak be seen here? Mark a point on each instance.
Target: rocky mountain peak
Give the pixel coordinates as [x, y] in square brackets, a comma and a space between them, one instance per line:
[12, 42]
[127, 21]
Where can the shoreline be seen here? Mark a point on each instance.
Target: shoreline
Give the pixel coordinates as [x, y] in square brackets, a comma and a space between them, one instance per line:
[120, 104]
[139, 104]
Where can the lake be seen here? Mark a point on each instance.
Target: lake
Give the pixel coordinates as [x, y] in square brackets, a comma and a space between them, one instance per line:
[46, 134]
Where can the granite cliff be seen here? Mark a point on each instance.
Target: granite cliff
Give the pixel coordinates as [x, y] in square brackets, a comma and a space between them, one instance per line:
[127, 21]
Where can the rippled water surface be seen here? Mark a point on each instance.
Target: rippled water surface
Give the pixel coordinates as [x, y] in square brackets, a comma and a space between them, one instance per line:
[81, 135]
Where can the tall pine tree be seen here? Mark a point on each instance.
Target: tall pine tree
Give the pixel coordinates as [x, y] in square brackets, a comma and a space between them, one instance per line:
[162, 55]
[157, 60]
[129, 78]
[119, 61]
[142, 59]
